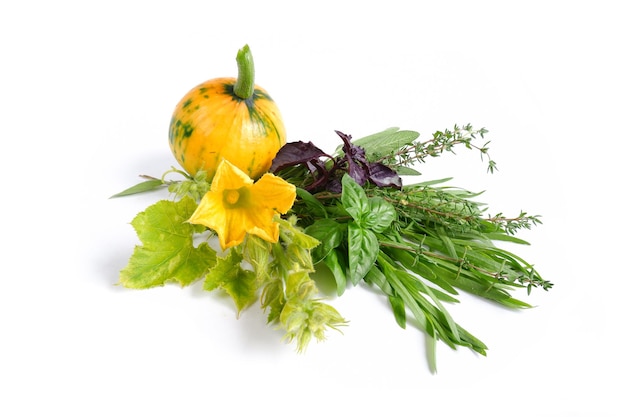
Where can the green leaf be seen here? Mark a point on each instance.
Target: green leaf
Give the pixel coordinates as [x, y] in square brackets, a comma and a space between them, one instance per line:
[404, 170]
[380, 215]
[334, 261]
[239, 283]
[296, 245]
[362, 251]
[257, 254]
[313, 204]
[505, 238]
[353, 198]
[386, 142]
[273, 297]
[399, 311]
[376, 277]
[412, 283]
[329, 233]
[427, 183]
[167, 252]
[142, 187]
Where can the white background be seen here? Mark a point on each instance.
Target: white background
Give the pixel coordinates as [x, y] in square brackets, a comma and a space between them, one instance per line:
[86, 94]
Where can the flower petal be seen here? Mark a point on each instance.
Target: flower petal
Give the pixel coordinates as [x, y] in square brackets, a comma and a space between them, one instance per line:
[260, 222]
[254, 215]
[210, 212]
[273, 192]
[234, 229]
[229, 177]
[228, 224]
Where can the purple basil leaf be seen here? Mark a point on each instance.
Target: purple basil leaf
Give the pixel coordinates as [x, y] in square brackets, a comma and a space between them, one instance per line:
[334, 186]
[383, 176]
[353, 153]
[358, 172]
[295, 153]
[357, 164]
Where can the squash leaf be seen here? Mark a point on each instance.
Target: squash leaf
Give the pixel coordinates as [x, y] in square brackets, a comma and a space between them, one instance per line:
[167, 253]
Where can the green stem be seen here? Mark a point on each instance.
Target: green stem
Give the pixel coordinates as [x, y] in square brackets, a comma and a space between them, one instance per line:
[244, 87]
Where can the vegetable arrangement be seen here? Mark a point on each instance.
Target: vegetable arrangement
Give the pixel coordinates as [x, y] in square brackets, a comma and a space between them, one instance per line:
[282, 210]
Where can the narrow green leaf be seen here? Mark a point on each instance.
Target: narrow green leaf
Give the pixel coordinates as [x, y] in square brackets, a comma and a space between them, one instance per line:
[142, 187]
[503, 237]
[376, 277]
[418, 265]
[427, 183]
[399, 312]
[447, 242]
[409, 280]
[313, 204]
[389, 272]
[334, 261]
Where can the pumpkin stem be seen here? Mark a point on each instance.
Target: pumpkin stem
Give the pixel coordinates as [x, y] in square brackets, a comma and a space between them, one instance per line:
[244, 87]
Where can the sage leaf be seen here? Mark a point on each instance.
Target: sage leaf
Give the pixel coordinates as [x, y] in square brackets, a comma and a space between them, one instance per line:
[387, 142]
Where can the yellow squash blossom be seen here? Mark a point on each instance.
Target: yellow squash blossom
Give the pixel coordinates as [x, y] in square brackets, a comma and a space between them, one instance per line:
[235, 205]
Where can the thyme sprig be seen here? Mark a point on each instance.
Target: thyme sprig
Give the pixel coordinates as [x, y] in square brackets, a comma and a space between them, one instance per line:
[441, 141]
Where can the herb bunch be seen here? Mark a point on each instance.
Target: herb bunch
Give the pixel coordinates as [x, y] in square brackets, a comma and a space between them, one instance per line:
[419, 244]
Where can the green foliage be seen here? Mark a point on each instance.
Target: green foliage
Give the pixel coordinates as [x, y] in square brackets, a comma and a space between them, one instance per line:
[423, 243]
[294, 303]
[142, 187]
[387, 142]
[229, 275]
[167, 253]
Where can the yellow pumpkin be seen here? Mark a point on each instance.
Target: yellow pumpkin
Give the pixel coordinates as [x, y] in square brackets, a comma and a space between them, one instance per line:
[227, 118]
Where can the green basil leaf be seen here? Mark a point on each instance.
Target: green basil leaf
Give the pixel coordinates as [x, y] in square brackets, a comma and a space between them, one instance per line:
[354, 199]
[330, 234]
[381, 215]
[362, 251]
